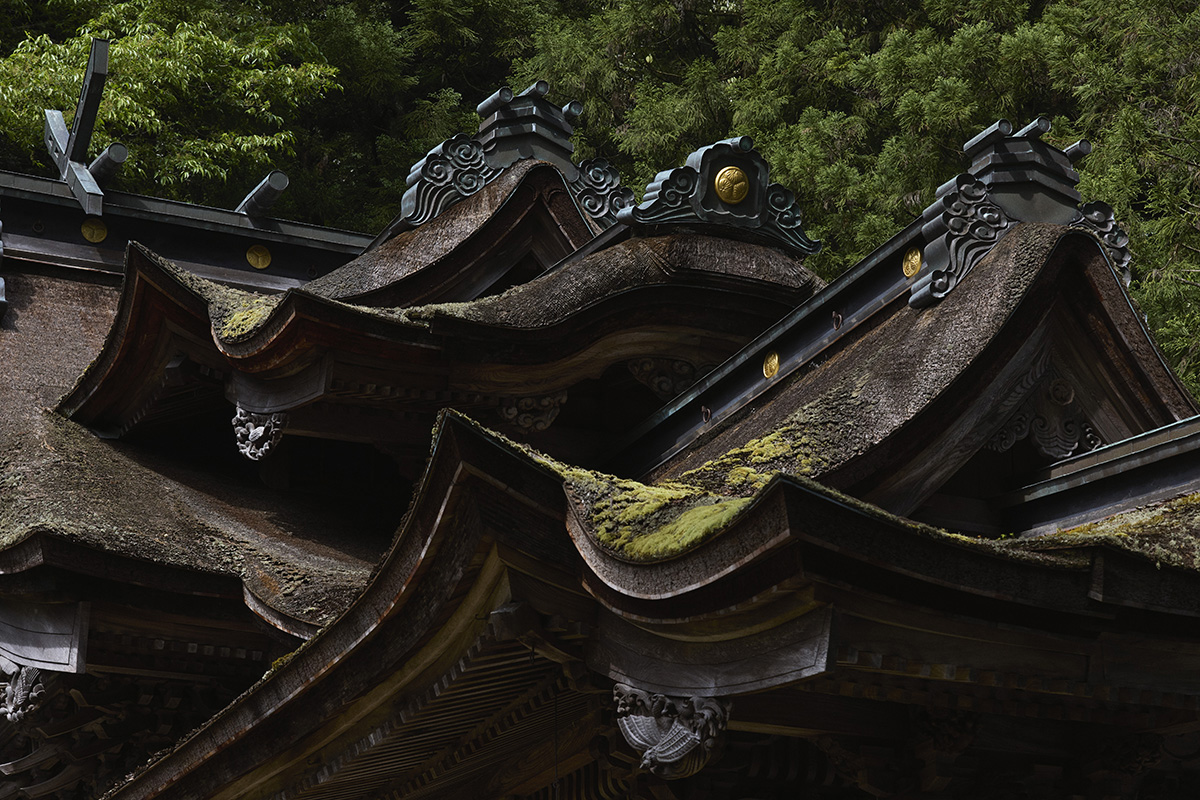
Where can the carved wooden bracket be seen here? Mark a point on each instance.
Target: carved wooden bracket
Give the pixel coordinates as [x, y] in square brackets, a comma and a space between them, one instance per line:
[257, 433]
[676, 736]
[23, 693]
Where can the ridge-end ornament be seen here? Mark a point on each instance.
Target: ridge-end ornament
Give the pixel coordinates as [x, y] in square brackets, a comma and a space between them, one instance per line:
[1014, 177]
[724, 189]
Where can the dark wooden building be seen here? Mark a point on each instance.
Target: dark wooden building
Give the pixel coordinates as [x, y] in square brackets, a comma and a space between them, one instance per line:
[544, 494]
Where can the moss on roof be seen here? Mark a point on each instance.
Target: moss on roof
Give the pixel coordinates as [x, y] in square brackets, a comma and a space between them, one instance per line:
[1167, 533]
[818, 419]
[58, 479]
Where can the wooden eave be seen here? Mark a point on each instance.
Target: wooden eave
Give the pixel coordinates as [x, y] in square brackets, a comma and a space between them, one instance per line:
[427, 609]
[156, 318]
[312, 349]
[821, 589]
[215, 631]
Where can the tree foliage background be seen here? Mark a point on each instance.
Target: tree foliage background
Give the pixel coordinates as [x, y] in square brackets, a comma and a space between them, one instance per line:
[861, 106]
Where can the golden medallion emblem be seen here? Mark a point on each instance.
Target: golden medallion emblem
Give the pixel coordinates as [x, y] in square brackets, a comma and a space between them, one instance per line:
[94, 230]
[732, 185]
[770, 364]
[258, 256]
[912, 262]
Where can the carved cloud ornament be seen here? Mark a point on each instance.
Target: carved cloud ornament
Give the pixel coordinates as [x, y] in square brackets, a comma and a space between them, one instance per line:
[1052, 422]
[666, 377]
[676, 736]
[532, 413]
[257, 433]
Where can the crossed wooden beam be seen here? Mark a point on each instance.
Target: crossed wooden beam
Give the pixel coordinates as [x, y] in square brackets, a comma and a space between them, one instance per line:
[69, 149]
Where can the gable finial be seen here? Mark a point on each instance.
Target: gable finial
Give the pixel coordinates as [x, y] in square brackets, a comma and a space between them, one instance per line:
[726, 186]
[1013, 177]
[514, 127]
[69, 149]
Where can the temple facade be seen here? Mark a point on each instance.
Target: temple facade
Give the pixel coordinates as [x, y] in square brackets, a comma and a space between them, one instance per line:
[544, 492]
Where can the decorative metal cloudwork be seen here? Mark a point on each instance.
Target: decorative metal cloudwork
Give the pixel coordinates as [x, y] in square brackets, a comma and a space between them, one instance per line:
[724, 185]
[513, 127]
[1098, 218]
[452, 171]
[962, 226]
[1014, 177]
[599, 192]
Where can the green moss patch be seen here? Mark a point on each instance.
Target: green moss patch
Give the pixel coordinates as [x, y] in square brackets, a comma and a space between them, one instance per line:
[1165, 533]
[239, 318]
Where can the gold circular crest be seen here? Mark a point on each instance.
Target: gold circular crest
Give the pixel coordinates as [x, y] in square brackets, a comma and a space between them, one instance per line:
[258, 256]
[732, 185]
[94, 230]
[770, 364]
[912, 262]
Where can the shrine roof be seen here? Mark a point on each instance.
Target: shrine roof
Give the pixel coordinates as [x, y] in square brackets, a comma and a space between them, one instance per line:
[60, 481]
[1166, 533]
[420, 247]
[238, 316]
[847, 408]
[673, 258]
[818, 420]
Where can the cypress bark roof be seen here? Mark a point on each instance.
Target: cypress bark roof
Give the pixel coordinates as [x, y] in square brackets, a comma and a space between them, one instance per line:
[60, 481]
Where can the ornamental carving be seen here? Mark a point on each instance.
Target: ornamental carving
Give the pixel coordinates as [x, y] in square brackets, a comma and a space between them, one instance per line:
[23, 693]
[726, 185]
[532, 413]
[666, 377]
[1098, 218]
[1052, 422]
[962, 227]
[599, 192]
[676, 736]
[257, 434]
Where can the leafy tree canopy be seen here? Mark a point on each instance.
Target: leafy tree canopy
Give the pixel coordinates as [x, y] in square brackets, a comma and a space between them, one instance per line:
[861, 107]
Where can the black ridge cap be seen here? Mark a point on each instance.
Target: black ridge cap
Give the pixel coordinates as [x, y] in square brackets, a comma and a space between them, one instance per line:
[831, 314]
[1145, 469]
[121, 204]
